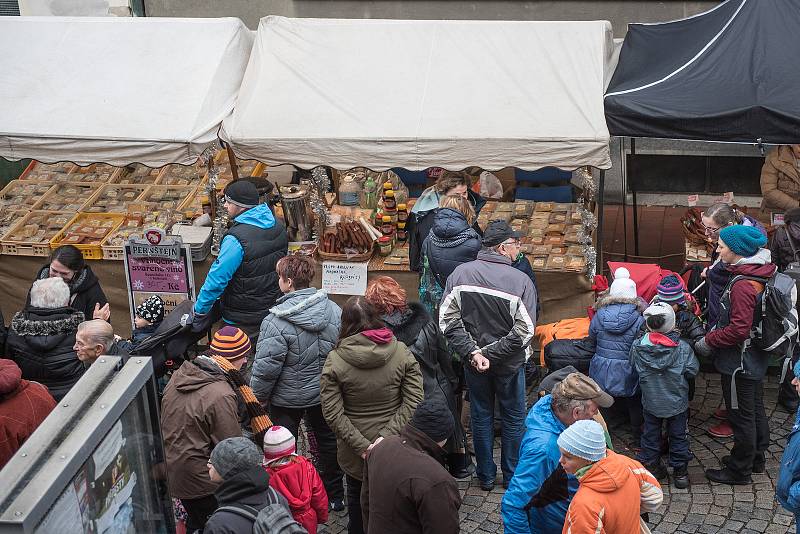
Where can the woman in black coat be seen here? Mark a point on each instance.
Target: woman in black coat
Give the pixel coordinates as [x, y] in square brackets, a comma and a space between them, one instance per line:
[411, 324]
[41, 338]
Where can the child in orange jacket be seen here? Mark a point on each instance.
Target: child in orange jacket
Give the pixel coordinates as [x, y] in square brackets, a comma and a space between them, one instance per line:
[295, 478]
[614, 490]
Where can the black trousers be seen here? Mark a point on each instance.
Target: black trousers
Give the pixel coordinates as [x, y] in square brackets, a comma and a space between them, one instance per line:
[198, 511]
[330, 472]
[355, 520]
[749, 423]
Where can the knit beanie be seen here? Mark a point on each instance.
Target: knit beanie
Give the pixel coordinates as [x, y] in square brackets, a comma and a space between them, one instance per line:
[670, 289]
[152, 309]
[584, 439]
[434, 419]
[242, 193]
[278, 442]
[230, 343]
[663, 309]
[235, 455]
[623, 286]
[743, 240]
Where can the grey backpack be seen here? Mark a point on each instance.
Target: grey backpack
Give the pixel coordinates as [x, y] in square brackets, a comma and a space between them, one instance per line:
[274, 518]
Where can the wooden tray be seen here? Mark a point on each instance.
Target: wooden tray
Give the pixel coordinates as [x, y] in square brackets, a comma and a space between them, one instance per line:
[28, 248]
[90, 252]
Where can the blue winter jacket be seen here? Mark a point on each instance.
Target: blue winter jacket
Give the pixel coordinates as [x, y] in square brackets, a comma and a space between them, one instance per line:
[230, 258]
[612, 331]
[538, 459]
[788, 489]
[450, 243]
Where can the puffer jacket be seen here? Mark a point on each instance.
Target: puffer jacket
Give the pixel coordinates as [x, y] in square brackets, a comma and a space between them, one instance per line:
[199, 409]
[780, 180]
[301, 485]
[781, 249]
[718, 277]
[85, 290]
[664, 364]
[450, 243]
[788, 488]
[296, 337]
[735, 321]
[370, 386]
[41, 342]
[612, 494]
[538, 460]
[612, 332]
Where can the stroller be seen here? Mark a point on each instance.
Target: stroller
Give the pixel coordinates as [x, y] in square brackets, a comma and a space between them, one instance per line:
[172, 343]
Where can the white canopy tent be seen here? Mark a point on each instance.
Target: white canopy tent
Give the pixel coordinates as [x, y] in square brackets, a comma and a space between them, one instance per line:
[417, 94]
[117, 90]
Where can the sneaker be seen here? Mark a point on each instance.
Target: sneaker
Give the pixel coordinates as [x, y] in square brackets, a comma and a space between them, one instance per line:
[337, 505]
[722, 430]
[680, 477]
[726, 476]
[658, 470]
[487, 486]
[759, 463]
[721, 414]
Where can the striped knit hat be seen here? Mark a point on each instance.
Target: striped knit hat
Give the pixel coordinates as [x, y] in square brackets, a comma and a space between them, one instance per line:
[670, 289]
[585, 439]
[230, 343]
[278, 442]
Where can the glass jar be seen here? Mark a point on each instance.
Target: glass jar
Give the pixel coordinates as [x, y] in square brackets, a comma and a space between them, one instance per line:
[349, 191]
[384, 245]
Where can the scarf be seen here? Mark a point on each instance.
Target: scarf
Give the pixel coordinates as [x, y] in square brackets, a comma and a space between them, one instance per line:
[259, 420]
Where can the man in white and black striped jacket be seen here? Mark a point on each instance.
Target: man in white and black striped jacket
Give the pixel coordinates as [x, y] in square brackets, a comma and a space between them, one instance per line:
[488, 315]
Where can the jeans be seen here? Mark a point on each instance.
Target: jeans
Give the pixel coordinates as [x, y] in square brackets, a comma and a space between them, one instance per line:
[329, 469]
[749, 423]
[198, 511]
[678, 432]
[509, 390]
[355, 521]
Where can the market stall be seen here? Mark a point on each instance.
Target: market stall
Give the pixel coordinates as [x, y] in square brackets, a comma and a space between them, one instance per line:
[380, 94]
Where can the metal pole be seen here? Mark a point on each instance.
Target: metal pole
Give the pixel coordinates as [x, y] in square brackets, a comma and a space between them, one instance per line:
[624, 169]
[232, 160]
[599, 234]
[635, 205]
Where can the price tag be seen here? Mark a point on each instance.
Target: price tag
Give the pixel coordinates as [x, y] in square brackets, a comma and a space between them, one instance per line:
[344, 277]
[728, 197]
[692, 200]
[777, 219]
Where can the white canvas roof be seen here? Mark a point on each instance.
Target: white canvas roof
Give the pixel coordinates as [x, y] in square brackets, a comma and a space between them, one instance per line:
[415, 94]
[117, 90]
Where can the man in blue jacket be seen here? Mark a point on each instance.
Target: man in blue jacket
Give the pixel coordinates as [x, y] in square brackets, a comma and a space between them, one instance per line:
[537, 499]
[243, 276]
[788, 488]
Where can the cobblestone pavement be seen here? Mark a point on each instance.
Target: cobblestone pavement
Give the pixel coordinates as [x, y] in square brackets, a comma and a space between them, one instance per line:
[703, 508]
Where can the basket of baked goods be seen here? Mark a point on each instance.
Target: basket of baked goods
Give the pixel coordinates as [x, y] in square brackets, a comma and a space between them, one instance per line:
[347, 241]
[87, 231]
[31, 234]
[22, 194]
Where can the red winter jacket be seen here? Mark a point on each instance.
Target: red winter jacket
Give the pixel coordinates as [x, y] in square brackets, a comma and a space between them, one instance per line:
[23, 406]
[300, 483]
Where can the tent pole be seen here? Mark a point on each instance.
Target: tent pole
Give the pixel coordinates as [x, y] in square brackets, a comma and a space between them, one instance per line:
[599, 232]
[232, 160]
[624, 169]
[635, 206]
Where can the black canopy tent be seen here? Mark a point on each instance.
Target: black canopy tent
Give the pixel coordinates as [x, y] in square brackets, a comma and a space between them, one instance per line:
[726, 75]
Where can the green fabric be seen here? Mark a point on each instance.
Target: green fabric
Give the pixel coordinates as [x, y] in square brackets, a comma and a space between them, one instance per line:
[580, 473]
[10, 170]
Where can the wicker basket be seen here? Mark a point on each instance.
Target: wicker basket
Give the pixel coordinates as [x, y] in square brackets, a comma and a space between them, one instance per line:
[355, 258]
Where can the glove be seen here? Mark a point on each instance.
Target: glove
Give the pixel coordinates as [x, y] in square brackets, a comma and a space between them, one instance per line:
[702, 348]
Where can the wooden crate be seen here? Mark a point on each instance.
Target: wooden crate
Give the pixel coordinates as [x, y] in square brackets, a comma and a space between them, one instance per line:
[24, 194]
[185, 175]
[27, 246]
[125, 194]
[167, 197]
[9, 219]
[54, 200]
[56, 172]
[137, 175]
[89, 251]
[98, 173]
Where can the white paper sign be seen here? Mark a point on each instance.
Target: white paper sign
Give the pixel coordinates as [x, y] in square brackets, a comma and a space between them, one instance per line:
[344, 277]
[692, 200]
[728, 197]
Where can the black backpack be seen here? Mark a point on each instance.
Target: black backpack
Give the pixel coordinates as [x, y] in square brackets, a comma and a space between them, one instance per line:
[792, 270]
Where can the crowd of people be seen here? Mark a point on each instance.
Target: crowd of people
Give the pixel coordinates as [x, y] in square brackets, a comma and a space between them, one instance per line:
[396, 397]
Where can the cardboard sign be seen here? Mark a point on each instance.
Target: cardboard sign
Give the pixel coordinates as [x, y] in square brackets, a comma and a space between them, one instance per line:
[344, 277]
[692, 200]
[777, 219]
[158, 265]
[728, 197]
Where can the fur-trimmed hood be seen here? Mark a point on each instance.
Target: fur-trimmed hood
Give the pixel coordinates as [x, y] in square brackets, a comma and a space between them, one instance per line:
[608, 300]
[44, 322]
[407, 324]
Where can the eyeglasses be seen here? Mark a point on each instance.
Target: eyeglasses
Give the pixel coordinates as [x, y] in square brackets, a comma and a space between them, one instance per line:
[711, 230]
[514, 242]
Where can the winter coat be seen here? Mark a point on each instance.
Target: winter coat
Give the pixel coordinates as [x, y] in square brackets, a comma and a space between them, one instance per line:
[450, 243]
[491, 306]
[85, 290]
[421, 221]
[3, 334]
[612, 494]
[406, 488]
[41, 341]
[538, 460]
[23, 407]
[249, 488]
[781, 249]
[734, 324]
[302, 487]
[780, 180]
[296, 337]
[788, 487]
[370, 386]
[612, 332]
[198, 410]
[664, 364]
[718, 277]
[421, 335]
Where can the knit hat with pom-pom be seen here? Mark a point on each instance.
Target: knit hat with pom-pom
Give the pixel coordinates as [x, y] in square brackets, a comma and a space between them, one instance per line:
[623, 286]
